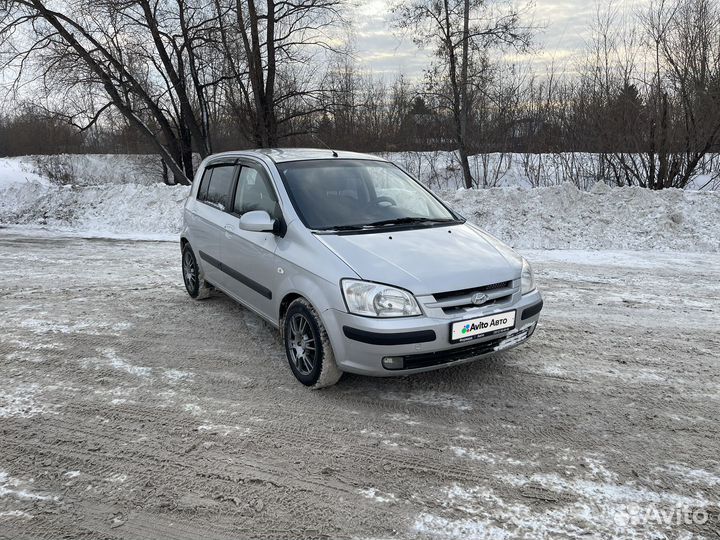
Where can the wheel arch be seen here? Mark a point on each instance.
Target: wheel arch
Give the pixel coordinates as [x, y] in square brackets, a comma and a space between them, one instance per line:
[320, 294]
[288, 299]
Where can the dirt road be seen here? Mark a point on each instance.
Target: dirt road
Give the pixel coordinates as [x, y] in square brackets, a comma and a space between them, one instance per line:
[129, 411]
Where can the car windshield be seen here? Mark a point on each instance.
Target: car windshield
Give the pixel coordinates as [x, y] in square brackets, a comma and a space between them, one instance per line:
[347, 194]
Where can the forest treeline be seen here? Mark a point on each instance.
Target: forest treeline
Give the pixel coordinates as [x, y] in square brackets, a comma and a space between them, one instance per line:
[182, 78]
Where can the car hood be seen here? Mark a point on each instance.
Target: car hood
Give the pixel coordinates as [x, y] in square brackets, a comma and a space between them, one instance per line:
[427, 260]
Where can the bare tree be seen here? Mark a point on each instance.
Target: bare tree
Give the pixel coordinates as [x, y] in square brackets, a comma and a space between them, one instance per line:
[654, 126]
[461, 31]
[269, 48]
[142, 55]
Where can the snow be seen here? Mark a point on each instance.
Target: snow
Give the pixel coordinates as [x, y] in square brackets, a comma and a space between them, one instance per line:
[564, 217]
[599, 503]
[98, 169]
[17, 171]
[116, 362]
[21, 401]
[115, 211]
[377, 496]
[430, 398]
[130, 205]
[441, 169]
[8, 487]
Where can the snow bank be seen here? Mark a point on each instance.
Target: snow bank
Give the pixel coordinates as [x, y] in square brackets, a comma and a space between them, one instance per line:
[563, 217]
[126, 210]
[556, 217]
[97, 169]
[18, 171]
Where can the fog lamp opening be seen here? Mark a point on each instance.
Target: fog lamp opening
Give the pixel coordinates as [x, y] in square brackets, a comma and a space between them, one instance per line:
[393, 362]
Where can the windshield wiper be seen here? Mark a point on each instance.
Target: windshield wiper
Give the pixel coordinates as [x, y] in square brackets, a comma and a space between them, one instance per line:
[343, 228]
[386, 222]
[407, 220]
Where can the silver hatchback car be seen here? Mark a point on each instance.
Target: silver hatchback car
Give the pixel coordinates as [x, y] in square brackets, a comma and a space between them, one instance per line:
[360, 267]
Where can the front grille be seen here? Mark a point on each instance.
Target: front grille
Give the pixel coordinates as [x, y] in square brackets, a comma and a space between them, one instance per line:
[456, 310]
[464, 292]
[459, 301]
[414, 361]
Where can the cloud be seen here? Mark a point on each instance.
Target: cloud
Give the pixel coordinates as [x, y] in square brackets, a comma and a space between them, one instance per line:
[565, 28]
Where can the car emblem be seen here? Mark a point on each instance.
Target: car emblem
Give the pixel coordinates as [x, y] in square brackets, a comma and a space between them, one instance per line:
[479, 298]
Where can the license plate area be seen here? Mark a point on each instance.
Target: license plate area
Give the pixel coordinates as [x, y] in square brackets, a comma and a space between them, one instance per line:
[487, 325]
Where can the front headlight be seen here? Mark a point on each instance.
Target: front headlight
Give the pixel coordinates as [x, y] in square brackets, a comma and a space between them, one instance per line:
[527, 279]
[376, 300]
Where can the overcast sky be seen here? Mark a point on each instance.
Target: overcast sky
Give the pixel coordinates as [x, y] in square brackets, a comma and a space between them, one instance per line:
[565, 27]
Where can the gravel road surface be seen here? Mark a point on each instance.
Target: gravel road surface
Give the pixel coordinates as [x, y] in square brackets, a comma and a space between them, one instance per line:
[127, 410]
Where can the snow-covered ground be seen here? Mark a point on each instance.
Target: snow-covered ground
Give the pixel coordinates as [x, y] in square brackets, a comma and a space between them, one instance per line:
[127, 410]
[130, 205]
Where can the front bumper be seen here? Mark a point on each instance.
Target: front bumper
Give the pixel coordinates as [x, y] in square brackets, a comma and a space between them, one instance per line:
[422, 343]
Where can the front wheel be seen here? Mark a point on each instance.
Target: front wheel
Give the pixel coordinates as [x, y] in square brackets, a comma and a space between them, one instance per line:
[307, 346]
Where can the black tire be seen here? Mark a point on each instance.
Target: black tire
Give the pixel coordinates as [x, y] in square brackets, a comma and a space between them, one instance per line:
[307, 346]
[195, 285]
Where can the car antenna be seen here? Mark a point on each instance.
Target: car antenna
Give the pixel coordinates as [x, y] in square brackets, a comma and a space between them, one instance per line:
[318, 139]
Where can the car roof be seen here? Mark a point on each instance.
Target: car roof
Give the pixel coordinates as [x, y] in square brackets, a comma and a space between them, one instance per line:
[281, 155]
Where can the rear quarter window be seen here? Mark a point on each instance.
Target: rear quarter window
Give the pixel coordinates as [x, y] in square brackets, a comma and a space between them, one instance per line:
[204, 184]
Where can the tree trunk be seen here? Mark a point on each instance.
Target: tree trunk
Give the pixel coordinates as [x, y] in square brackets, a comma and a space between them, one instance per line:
[458, 93]
[464, 105]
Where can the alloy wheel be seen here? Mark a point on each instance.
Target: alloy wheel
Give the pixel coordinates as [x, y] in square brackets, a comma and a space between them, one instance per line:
[190, 271]
[302, 345]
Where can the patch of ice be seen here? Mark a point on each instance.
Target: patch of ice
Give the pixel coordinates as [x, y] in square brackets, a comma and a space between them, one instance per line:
[478, 512]
[192, 408]
[224, 430]
[43, 327]
[118, 363]
[117, 478]
[21, 401]
[117, 391]
[471, 454]
[435, 399]
[15, 514]
[486, 457]
[72, 474]
[176, 375]
[471, 529]
[27, 356]
[691, 476]
[404, 418]
[40, 326]
[13, 487]
[374, 494]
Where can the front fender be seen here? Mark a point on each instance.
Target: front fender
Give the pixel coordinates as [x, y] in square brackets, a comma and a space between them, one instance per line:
[322, 294]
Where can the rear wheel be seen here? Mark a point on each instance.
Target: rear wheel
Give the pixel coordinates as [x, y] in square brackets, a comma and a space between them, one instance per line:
[195, 285]
[307, 346]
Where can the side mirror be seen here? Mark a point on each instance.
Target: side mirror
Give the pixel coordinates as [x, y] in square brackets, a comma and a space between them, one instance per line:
[257, 221]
